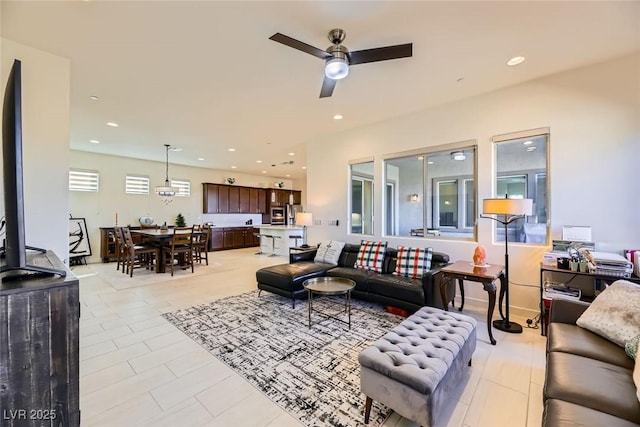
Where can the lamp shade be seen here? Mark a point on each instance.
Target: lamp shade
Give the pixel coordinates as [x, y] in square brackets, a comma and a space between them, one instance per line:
[507, 206]
[304, 218]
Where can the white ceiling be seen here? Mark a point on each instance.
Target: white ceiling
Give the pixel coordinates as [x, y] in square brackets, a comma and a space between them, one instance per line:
[204, 76]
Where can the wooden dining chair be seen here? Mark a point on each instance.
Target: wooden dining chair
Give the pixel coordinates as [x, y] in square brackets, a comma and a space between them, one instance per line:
[180, 249]
[120, 248]
[139, 255]
[201, 243]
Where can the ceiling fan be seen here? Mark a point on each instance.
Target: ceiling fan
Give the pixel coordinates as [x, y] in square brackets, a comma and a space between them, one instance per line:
[338, 58]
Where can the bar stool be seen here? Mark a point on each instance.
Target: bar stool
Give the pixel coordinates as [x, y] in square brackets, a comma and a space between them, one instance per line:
[273, 245]
[260, 236]
[296, 237]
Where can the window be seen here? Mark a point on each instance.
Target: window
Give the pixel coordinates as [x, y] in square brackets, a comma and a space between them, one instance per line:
[84, 180]
[183, 186]
[136, 184]
[362, 198]
[432, 192]
[521, 165]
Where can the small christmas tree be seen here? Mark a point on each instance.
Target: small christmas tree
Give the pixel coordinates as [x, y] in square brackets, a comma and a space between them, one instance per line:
[180, 222]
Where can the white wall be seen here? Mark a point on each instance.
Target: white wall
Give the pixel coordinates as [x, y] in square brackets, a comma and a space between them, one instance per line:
[100, 208]
[45, 140]
[594, 117]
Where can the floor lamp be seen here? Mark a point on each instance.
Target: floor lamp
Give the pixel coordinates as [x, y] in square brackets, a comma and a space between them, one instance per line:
[513, 210]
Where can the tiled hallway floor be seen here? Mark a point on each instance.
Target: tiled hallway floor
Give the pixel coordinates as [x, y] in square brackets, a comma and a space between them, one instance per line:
[138, 370]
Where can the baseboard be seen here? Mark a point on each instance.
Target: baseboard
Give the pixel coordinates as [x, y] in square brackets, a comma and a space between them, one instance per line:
[481, 304]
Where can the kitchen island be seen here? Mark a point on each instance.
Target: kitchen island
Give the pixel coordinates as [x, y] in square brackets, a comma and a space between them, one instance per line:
[282, 238]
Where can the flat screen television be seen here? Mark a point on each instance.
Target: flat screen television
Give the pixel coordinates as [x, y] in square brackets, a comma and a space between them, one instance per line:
[14, 250]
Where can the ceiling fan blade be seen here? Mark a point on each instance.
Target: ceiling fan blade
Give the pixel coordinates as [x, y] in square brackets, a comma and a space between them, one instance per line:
[297, 44]
[327, 87]
[381, 54]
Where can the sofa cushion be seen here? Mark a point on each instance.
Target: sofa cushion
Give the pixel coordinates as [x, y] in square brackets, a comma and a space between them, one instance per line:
[402, 288]
[569, 338]
[329, 252]
[592, 383]
[558, 413]
[361, 277]
[371, 256]
[413, 262]
[615, 313]
[289, 277]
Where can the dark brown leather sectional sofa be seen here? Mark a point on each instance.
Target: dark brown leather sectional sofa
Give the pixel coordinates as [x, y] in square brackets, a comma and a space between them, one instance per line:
[385, 288]
[588, 378]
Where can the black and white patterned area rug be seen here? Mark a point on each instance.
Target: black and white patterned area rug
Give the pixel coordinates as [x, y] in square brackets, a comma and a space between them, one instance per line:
[312, 373]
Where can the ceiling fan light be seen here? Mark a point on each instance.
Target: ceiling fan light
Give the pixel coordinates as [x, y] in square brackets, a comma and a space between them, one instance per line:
[336, 68]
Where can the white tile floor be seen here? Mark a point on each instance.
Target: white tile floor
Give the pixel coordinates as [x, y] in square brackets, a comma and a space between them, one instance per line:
[138, 370]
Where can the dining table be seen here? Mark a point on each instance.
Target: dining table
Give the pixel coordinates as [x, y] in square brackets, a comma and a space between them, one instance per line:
[161, 238]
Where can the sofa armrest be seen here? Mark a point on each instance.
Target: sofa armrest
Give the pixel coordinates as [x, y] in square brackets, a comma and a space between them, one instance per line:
[303, 255]
[566, 311]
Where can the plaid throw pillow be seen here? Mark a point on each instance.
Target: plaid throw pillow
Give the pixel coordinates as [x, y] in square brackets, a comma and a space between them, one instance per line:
[371, 255]
[413, 262]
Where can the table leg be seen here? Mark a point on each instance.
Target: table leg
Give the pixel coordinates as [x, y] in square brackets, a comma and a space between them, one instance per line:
[310, 299]
[444, 281]
[461, 286]
[491, 291]
[349, 305]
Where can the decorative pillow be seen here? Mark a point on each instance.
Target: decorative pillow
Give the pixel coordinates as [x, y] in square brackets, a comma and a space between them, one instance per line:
[631, 347]
[371, 255]
[329, 252]
[413, 262]
[615, 313]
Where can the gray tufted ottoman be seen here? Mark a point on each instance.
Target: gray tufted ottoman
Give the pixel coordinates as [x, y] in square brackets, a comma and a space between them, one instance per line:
[413, 368]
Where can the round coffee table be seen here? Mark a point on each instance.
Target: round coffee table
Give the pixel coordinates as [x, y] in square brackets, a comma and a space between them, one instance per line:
[330, 286]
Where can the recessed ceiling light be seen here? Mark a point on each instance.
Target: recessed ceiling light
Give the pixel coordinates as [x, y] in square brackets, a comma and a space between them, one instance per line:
[94, 141]
[93, 98]
[337, 117]
[201, 158]
[429, 162]
[292, 154]
[231, 149]
[258, 161]
[233, 167]
[304, 167]
[515, 60]
[264, 171]
[529, 142]
[112, 124]
[288, 175]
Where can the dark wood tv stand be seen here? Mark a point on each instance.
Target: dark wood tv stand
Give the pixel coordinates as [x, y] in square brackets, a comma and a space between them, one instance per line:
[39, 336]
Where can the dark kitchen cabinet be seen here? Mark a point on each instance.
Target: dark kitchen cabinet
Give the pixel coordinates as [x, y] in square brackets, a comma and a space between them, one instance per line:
[210, 198]
[217, 239]
[223, 199]
[244, 200]
[237, 237]
[257, 200]
[234, 200]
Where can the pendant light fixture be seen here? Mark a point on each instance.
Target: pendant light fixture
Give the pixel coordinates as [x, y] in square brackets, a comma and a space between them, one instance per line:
[166, 192]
